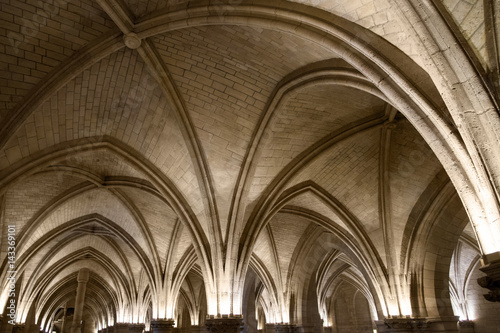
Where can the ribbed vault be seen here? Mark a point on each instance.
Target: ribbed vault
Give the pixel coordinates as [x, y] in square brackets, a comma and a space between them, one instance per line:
[294, 162]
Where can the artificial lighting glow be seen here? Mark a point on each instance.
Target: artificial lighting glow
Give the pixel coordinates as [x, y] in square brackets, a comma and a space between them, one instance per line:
[457, 309]
[169, 311]
[472, 313]
[406, 307]
[212, 304]
[486, 236]
[4, 297]
[323, 315]
[393, 307]
[225, 303]
[285, 316]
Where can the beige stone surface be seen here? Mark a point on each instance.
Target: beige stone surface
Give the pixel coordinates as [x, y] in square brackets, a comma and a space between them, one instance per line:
[310, 162]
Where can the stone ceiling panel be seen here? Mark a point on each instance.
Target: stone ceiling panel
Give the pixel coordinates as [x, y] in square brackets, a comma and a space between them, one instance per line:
[379, 16]
[101, 162]
[184, 241]
[413, 166]
[470, 232]
[287, 231]
[73, 268]
[349, 172]
[313, 203]
[98, 201]
[159, 218]
[103, 100]
[463, 256]
[135, 263]
[336, 267]
[40, 35]
[226, 75]
[26, 198]
[116, 97]
[469, 16]
[141, 8]
[264, 250]
[94, 241]
[303, 118]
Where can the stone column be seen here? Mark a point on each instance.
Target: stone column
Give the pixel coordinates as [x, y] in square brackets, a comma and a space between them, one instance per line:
[224, 324]
[491, 266]
[162, 325]
[65, 311]
[83, 277]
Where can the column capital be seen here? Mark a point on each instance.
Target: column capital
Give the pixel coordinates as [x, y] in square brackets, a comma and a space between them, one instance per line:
[18, 328]
[121, 327]
[401, 324]
[224, 323]
[196, 329]
[136, 328]
[418, 324]
[285, 328]
[162, 325]
[491, 267]
[466, 326]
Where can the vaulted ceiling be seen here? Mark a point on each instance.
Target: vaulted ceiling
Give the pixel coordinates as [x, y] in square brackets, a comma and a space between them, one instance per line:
[141, 138]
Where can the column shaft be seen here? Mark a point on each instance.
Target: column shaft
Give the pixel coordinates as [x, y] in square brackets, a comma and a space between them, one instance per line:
[83, 277]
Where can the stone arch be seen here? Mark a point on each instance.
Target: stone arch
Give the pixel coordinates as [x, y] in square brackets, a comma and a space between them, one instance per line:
[161, 184]
[417, 100]
[455, 145]
[417, 103]
[104, 299]
[417, 107]
[431, 248]
[354, 241]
